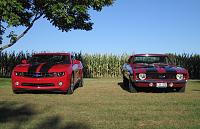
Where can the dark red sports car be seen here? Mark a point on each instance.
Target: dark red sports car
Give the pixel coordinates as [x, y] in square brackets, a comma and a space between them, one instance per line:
[153, 71]
[48, 72]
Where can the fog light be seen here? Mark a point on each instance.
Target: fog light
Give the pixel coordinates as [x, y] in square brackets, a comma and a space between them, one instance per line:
[171, 84]
[17, 83]
[60, 83]
[151, 84]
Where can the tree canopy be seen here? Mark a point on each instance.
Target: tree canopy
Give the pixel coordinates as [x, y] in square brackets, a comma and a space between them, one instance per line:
[66, 15]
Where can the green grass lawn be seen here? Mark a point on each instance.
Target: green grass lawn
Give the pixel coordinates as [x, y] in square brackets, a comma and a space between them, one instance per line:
[100, 104]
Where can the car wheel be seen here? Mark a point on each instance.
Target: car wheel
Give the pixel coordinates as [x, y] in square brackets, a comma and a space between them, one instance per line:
[181, 90]
[131, 87]
[81, 82]
[125, 82]
[71, 88]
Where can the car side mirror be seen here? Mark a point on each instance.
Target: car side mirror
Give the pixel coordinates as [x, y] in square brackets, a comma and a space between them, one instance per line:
[24, 61]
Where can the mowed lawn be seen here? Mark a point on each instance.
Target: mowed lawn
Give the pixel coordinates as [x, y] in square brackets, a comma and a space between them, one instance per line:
[100, 104]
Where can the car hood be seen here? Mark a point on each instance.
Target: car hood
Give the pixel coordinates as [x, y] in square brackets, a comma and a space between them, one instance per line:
[155, 68]
[43, 67]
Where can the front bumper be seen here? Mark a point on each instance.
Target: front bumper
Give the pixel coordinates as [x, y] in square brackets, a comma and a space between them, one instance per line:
[41, 84]
[166, 83]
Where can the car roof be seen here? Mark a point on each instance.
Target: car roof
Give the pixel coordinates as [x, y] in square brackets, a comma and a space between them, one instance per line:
[52, 53]
[150, 55]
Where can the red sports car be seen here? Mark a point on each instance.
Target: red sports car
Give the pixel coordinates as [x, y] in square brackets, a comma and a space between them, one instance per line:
[153, 71]
[48, 72]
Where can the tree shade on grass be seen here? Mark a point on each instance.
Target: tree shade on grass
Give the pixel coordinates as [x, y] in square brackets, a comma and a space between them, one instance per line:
[100, 104]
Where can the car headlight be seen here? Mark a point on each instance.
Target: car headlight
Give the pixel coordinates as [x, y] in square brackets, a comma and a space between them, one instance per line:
[59, 74]
[179, 76]
[142, 76]
[19, 73]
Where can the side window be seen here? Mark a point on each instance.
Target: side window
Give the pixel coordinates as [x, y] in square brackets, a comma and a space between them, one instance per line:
[67, 59]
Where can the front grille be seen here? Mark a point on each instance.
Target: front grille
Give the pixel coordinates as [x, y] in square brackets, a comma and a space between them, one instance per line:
[38, 84]
[38, 75]
[161, 76]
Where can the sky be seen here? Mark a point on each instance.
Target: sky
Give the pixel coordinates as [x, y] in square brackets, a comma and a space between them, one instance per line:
[128, 26]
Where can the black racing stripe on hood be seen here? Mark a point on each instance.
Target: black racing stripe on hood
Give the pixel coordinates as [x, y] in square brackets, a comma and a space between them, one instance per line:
[33, 67]
[45, 68]
[151, 70]
[169, 69]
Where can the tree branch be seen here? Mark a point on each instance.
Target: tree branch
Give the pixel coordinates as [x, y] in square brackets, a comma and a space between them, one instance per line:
[14, 40]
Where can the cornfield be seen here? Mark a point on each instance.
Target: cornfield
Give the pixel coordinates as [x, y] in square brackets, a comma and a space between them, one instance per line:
[101, 65]
[190, 62]
[9, 60]
[105, 65]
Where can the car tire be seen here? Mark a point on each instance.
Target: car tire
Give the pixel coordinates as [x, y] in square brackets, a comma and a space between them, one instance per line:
[125, 82]
[81, 82]
[71, 88]
[181, 90]
[131, 87]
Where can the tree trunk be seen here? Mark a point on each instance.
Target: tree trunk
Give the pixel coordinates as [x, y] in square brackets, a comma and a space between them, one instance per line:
[13, 41]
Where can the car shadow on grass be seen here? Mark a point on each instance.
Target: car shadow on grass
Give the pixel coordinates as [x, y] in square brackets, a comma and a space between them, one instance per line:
[123, 87]
[196, 90]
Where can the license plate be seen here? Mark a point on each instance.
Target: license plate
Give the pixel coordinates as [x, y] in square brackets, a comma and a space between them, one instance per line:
[161, 85]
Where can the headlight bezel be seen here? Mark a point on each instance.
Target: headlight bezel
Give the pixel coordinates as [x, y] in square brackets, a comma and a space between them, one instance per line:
[19, 73]
[142, 76]
[179, 76]
[59, 74]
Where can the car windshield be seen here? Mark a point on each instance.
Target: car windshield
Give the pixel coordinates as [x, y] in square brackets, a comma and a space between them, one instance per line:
[64, 59]
[151, 59]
